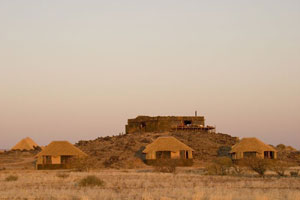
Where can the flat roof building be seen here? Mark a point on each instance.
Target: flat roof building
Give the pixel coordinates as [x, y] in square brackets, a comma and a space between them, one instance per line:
[142, 124]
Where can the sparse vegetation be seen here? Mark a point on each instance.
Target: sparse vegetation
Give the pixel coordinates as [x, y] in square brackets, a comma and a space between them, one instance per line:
[62, 175]
[294, 173]
[258, 165]
[136, 184]
[280, 167]
[91, 181]
[83, 164]
[110, 161]
[237, 169]
[224, 151]
[11, 178]
[165, 165]
[220, 166]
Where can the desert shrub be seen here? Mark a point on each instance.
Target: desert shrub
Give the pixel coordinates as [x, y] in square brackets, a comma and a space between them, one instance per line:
[224, 151]
[83, 164]
[165, 165]
[11, 178]
[145, 140]
[294, 173]
[237, 169]
[219, 166]
[62, 175]
[91, 181]
[257, 165]
[279, 167]
[109, 162]
[107, 138]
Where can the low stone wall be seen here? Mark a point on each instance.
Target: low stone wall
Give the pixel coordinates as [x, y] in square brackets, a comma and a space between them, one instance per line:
[52, 166]
[177, 162]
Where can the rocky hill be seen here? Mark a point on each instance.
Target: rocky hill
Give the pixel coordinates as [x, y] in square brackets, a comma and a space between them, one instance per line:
[125, 151]
[288, 153]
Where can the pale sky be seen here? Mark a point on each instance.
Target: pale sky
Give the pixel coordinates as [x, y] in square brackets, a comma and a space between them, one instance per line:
[72, 70]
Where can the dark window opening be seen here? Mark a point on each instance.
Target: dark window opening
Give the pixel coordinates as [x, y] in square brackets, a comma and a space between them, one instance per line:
[186, 154]
[265, 154]
[269, 154]
[47, 160]
[233, 155]
[187, 122]
[163, 154]
[143, 124]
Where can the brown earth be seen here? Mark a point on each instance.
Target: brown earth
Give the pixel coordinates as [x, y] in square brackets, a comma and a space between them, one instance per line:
[18, 159]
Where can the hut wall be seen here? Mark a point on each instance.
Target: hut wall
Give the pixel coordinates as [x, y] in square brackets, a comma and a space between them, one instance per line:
[190, 154]
[239, 155]
[151, 155]
[56, 160]
[175, 155]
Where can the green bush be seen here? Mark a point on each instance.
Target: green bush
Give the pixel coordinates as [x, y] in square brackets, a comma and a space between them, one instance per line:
[224, 151]
[91, 181]
[11, 178]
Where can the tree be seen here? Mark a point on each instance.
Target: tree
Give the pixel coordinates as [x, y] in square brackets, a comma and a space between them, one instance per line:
[279, 167]
[258, 165]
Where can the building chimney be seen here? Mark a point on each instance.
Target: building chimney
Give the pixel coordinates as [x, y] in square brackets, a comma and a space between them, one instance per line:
[196, 113]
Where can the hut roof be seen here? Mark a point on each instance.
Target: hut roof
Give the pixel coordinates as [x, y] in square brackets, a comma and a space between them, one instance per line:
[251, 145]
[166, 144]
[58, 148]
[25, 144]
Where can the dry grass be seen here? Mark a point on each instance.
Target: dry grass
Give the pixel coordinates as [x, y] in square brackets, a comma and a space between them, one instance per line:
[11, 178]
[91, 181]
[147, 185]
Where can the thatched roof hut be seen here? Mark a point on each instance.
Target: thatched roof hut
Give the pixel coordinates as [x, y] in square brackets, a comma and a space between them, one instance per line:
[58, 154]
[65, 148]
[168, 147]
[166, 143]
[252, 147]
[25, 144]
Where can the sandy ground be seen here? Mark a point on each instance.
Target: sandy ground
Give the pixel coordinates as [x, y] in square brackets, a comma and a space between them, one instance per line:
[147, 185]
